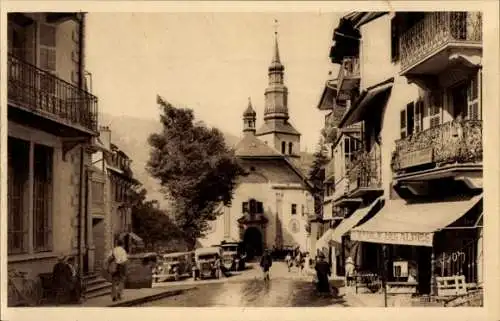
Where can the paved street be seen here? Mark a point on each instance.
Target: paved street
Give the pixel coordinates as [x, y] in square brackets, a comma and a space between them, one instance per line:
[248, 289]
[280, 292]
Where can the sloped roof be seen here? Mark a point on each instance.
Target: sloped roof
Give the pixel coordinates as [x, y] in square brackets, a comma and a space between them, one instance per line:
[251, 146]
[303, 163]
[277, 127]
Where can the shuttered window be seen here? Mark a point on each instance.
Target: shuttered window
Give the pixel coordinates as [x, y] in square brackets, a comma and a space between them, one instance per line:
[394, 39]
[419, 116]
[435, 106]
[402, 123]
[473, 108]
[47, 56]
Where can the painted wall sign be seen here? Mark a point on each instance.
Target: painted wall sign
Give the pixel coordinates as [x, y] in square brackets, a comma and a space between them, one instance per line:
[415, 158]
[402, 238]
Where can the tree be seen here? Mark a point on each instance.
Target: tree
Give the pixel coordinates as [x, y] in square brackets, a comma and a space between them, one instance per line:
[317, 175]
[194, 166]
[151, 223]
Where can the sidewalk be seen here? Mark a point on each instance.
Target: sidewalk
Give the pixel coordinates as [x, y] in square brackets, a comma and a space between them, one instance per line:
[133, 297]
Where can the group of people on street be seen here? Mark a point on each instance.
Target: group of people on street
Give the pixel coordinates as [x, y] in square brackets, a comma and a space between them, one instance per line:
[322, 268]
[66, 281]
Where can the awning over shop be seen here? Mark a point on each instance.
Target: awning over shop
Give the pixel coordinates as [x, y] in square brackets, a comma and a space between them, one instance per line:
[323, 241]
[335, 235]
[353, 220]
[405, 223]
[373, 96]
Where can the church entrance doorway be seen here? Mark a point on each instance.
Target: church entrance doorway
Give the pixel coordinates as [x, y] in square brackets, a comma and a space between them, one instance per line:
[253, 242]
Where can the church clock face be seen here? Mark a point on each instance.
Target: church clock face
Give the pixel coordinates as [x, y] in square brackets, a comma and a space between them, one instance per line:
[294, 226]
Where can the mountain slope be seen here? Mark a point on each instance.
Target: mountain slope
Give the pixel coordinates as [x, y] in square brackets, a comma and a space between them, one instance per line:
[131, 135]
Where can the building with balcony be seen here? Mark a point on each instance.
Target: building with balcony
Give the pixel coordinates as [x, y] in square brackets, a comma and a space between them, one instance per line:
[272, 205]
[52, 121]
[111, 180]
[423, 177]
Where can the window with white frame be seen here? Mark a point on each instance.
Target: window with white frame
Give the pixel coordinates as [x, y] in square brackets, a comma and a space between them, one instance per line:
[47, 55]
[30, 192]
[351, 145]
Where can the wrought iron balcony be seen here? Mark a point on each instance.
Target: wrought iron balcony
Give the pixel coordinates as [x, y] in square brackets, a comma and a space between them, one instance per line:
[41, 93]
[364, 172]
[455, 142]
[436, 32]
[349, 76]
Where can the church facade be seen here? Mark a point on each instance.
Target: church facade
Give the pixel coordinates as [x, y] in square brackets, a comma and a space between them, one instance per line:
[272, 204]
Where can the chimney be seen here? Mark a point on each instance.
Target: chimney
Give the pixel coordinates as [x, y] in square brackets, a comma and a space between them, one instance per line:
[105, 136]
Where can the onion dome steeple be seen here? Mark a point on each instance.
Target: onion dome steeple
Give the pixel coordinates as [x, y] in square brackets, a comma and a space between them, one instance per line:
[249, 117]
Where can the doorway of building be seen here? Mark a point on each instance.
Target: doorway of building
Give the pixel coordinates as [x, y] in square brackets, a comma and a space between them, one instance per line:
[252, 241]
[99, 242]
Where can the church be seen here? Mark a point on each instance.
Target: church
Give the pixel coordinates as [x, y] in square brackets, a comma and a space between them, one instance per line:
[272, 204]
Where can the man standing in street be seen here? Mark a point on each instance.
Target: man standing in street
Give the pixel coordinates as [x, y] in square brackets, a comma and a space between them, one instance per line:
[323, 271]
[117, 261]
[265, 263]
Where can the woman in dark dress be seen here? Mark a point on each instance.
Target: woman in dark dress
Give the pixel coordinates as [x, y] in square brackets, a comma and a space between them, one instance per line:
[323, 271]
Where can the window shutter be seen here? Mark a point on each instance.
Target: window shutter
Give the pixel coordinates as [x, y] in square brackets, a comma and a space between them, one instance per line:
[473, 99]
[419, 108]
[47, 56]
[394, 39]
[402, 123]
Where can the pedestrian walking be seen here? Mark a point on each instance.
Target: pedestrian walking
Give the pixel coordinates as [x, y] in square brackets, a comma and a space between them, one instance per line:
[117, 261]
[323, 271]
[265, 263]
[289, 262]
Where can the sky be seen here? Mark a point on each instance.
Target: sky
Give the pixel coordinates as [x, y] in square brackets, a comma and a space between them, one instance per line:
[211, 63]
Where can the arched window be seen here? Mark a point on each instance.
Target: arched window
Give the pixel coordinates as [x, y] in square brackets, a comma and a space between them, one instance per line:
[283, 147]
[290, 145]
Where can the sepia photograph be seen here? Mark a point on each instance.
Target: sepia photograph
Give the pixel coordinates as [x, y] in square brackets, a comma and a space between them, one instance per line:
[244, 159]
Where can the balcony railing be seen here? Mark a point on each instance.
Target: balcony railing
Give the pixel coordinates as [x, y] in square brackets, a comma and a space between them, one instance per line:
[348, 69]
[452, 142]
[364, 170]
[33, 88]
[435, 31]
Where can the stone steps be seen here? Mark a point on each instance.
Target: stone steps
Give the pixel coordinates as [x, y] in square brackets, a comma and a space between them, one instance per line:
[96, 286]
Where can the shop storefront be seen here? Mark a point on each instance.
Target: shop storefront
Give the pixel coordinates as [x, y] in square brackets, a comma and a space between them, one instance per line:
[422, 241]
[336, 242]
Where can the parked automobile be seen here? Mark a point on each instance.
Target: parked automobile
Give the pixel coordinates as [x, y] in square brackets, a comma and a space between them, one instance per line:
[173, 265]
[232, 259]
[207, 262]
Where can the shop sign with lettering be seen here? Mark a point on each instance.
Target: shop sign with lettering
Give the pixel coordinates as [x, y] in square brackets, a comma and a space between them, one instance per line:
[403, 238]
[415, 158]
